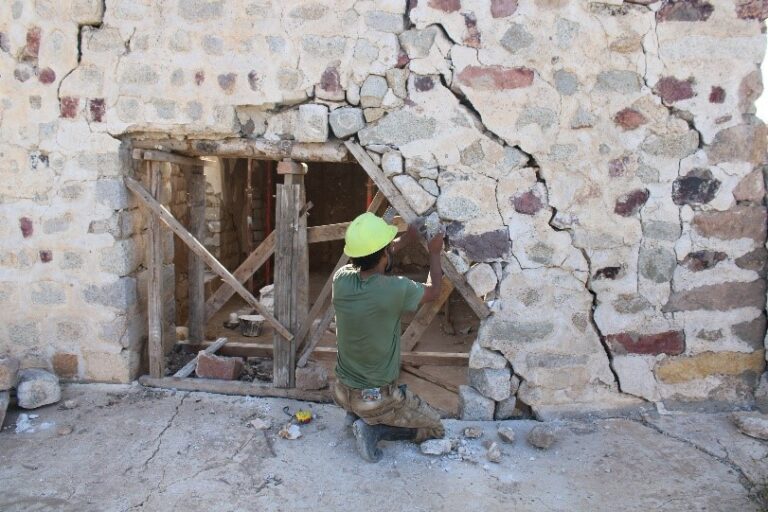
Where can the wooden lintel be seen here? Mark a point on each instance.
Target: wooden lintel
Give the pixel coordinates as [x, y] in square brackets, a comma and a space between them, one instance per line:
[198, 248]
[417, 358]
[290, 167]
[164, 156]
[235, 387]
[397, 200]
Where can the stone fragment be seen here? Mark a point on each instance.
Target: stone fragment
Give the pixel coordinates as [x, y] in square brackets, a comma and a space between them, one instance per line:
[745, 142]
[353, 94]
[423, 83]
[430, 186]
[761, 393]
[472, 432]
[506, 434]
[445, 5]
[566, 82]
[480, 357]
[703, 260]
[660, 230]
[36, 388]
[473, 406]
[751, 332]
[503, 8]
[619, 81]
[346, 121]
[398, 129]
[312, 123]
[373, 114]
[635, 376]
[436, 447]
[373, 90]
[630, 203]
[417, 43]
[516, 38]
[397, 80]
[675, 146]
[506, 409]
[717, 95]
[418, 198]
[752, 9]
[629, 119]
[718, 297]
[738, 222]
[5, 399]
[495, 78]
[751, 423]
[751, 188]
[392, 163]
[312, 376]
[657, 263]
[542, 437]
[211, 366]
[482, 279]
[385, 21]
[756, 260]
[670, 342]
[329, 87]
[583, 119]
[491, 383]
[9, 370]
[494, 453]
[696, 187]
[700, 366]
[684, 10]
[672, 90]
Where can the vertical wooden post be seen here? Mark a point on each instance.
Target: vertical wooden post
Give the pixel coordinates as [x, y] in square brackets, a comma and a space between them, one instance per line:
[196, 267]
[293, 174]
[155, 281]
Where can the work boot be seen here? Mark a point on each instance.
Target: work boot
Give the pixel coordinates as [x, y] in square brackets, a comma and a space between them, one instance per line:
[366, 439]
[389, 433]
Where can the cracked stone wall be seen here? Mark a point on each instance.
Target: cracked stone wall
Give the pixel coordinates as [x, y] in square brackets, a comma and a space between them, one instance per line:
[598, 167]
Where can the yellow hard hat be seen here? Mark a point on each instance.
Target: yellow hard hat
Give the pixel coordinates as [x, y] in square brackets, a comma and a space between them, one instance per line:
[366, 235]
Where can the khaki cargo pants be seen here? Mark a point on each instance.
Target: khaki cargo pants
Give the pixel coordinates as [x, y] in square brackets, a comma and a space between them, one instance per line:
[397, 407]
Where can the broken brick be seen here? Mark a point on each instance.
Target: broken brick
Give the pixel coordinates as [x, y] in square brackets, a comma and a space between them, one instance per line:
[495, 77]
[445, 5]
[618, 167]
[96, 110]
[671, 343]
[46, 256]
[527, 203]
[211, 366]
[46, 76]
[697, 187]
[330, 80]
[65, 365]
[607, 273]
[718, 297]
[31, 50]
[684, 10]
[423, 83]
[199, 77]
[26, 226]
[703, 260]
[503, 8]
[473, 34]
[717, 95]
[227, 82]
[68, 106]
[629, 119]
[631, 202]
[671, 89]
[738, 222]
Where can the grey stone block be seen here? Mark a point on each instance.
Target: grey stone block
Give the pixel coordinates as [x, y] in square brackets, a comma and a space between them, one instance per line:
[417, 43]
[5, 399]
[201, 10]
[474, 406]
[373, 91]
[385, 21]
[312, 123]
[36, 388]
[491, 383]
[9, 369]
[398, 128]
[346, 121]
[47, 293]
[483, 358]
[312, 376]
[113, 193]
[120, 295]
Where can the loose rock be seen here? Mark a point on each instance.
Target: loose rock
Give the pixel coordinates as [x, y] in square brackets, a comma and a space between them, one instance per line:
[312, 376]
[69, 404]
[494, 453]
[36, 388]
[436, 446]
[473, 432]
[541, 436]
[506, 434]
[5, 398]
[211, 366]
[753, 424]
[9, 368]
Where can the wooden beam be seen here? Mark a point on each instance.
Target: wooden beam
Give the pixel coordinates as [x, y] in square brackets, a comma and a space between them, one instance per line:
[416, 372]
[164, 156]
[424, 317]
[188, 368]
[167, 217]
[320, 302]
[397, 200]
[235, 387]
[287, 282]
[155, 281]
[331, 232]
[257, 149]
[196, 268]
[317, 335]
[417, 358]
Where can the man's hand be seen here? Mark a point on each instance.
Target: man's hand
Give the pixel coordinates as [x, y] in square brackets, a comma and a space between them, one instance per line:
[435, 246]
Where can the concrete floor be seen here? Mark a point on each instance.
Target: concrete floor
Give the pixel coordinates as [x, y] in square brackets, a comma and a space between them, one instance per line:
[129, 448]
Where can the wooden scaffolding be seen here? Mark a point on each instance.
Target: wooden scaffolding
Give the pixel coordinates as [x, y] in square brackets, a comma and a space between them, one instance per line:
[298, 330]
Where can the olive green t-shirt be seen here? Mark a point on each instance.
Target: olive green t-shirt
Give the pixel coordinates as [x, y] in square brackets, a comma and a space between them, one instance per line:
[368, 325]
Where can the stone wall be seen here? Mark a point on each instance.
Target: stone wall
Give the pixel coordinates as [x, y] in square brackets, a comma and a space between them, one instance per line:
[598, 167]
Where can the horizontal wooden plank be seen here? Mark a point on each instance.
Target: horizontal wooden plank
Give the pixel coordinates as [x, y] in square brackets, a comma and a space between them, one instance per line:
[257, 149]
[242, 349]
[164, 156]
[235, 387]
[416, 372]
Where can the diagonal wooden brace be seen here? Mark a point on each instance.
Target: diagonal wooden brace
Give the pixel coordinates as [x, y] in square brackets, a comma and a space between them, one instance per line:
[198, 248]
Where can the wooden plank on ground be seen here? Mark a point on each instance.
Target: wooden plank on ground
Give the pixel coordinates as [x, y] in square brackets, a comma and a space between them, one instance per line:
[417, 372]
[287, 281]
[417, 358]
[196, 268]
[155, 281]
[424, 317]
[195, 245]
[235, 387]
[397, 200]
[247, 268]
[319, 306]
[164, 156]
[188, 368]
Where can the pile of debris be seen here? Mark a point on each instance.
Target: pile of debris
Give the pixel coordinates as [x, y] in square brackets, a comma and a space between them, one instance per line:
[35, 387]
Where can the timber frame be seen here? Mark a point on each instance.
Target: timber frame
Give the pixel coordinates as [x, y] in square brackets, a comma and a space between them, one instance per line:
[297, 331]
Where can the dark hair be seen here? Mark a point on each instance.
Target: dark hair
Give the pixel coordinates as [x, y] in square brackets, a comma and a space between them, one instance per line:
[368, 262]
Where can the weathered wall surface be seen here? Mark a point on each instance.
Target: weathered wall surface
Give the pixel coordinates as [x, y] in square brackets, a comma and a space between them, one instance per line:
[597, 164]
